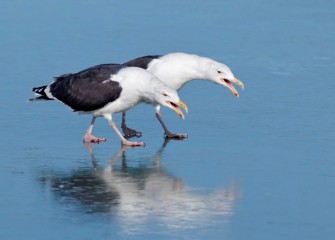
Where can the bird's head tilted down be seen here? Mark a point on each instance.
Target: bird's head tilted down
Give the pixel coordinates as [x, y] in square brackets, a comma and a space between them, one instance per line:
[151, 89]
[168, 97]
[221, 74]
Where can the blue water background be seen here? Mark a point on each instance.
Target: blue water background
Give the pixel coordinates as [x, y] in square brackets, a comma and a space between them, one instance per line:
[260, 166]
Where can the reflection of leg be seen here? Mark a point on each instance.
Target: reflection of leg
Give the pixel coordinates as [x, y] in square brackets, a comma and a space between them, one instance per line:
[165, 143]
[167, 132]
[128, 132]
[124, 166]
[123, 140]
[158, 155]
[88, 137]
[88, 147]
[116, 156]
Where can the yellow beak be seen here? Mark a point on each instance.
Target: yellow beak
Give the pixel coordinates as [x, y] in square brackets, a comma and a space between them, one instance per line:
[177, 110]
[183, 105]
[231, 87]
[238, 82]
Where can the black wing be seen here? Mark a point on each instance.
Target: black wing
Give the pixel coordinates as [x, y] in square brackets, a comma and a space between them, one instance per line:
[89, 89]
[141, 62]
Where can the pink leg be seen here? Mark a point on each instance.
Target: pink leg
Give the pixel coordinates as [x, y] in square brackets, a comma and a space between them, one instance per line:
[123, 140]
[89, 138]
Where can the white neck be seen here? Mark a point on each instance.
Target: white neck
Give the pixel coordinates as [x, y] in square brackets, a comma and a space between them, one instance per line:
[176, 69]
[138, 85]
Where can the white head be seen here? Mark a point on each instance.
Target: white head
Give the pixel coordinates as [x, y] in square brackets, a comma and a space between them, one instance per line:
[168, 97]
[141, 85]
[219, 73]
[176, 69]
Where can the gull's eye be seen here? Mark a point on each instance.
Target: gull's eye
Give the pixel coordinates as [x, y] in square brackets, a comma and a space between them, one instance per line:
[165, 95]
[219, 71]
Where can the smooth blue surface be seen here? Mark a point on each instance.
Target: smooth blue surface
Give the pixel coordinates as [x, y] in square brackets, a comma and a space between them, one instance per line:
[257, 167]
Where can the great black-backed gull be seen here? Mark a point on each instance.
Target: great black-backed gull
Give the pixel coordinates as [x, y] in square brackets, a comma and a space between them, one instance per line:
[176, 69]
[110, 88]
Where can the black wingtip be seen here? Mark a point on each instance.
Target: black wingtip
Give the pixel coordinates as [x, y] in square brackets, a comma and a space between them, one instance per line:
[39, 90]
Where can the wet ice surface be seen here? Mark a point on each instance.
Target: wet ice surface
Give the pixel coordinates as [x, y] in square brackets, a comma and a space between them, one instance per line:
[257, 167]
[138, 196]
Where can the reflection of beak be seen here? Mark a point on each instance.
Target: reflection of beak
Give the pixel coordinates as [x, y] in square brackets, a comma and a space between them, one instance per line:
[176, 109]
[230, 86]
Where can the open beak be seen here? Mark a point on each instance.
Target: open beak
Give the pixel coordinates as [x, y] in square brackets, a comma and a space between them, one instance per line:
[230, 86]
[176, 109]
[238, 82]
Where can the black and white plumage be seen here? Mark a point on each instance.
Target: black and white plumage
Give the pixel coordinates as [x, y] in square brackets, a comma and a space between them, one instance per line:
[110, 88]
[86, 90]
[175, 70]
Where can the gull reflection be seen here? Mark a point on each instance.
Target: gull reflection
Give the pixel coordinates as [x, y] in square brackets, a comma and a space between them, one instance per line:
[136, 196]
